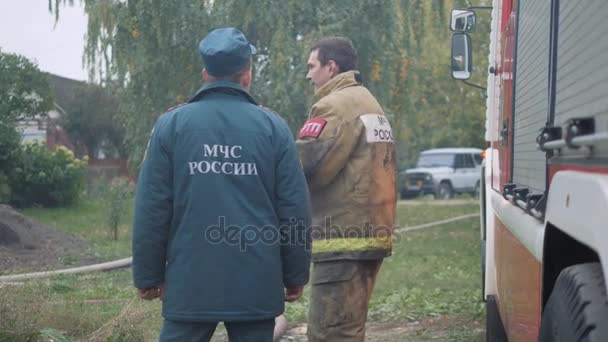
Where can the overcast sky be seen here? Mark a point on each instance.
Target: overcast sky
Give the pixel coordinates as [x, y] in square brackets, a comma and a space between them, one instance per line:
[27, 28]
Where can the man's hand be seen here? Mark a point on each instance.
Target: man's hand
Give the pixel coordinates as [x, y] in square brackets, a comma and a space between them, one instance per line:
[293, 293]
[151, 293]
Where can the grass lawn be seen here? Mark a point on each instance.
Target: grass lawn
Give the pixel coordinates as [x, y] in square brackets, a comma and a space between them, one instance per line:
[429, 288]
[433, 275]
[89, 220]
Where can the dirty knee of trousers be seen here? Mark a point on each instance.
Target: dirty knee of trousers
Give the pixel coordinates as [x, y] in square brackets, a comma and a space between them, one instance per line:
[339, 300]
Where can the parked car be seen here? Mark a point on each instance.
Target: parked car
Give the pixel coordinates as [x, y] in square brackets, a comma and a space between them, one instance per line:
[443, 172]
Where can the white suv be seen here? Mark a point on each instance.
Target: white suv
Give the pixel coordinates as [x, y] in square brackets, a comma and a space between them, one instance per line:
[443, 172]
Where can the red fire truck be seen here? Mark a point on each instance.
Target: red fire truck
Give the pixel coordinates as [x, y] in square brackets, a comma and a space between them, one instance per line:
[544, 194]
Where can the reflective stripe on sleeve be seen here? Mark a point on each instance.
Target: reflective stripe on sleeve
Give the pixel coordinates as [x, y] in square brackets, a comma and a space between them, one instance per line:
[351, 244]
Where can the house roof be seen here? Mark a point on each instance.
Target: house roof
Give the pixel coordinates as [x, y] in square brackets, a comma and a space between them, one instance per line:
[65, 91]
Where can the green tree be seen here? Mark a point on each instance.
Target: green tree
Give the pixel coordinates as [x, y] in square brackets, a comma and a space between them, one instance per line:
[24, 94]
[24, 90]
[9, 150]
[92, 122]
[149, 48]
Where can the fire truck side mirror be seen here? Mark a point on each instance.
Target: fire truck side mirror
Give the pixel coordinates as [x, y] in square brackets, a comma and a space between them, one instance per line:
[462, 20]
[462, 59]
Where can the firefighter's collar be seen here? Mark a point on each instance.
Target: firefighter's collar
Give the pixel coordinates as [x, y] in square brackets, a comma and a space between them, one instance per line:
[340, 81]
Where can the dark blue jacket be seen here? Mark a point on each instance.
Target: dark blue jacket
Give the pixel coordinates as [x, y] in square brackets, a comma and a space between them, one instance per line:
[222, 210]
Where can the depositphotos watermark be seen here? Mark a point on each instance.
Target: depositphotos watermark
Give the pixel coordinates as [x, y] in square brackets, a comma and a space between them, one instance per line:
[293, 233]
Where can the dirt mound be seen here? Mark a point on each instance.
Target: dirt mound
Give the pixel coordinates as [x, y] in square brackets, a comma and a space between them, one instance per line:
[27, 246]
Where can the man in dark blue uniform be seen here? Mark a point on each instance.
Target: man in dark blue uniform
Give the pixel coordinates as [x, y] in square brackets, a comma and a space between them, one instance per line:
[222, 215]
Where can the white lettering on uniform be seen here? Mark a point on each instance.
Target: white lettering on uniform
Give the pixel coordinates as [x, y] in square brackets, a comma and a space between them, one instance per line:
[378, 129]
[239, 169]
[222, 167]
[225, 151]
[192, 166]
[213, 165]
[311, 127]
[252, 169]
[200, 167]
[210, 152]
[233, 152]
[225, 168]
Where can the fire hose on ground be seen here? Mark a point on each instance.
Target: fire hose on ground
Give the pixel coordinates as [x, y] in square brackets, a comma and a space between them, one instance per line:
[126, 262]
[280, 322]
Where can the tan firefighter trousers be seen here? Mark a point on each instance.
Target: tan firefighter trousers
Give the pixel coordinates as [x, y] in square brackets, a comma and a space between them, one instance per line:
[340, 295]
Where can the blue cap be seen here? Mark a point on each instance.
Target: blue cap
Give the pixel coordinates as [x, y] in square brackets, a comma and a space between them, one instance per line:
[225, 51]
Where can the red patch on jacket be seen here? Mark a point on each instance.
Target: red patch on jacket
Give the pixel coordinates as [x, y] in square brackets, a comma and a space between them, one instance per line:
[312, 128]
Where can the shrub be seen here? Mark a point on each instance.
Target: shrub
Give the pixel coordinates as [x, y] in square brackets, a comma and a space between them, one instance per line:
[9, 146]
[9, 149]
[5, 189]
[116, 201]
[45, 177]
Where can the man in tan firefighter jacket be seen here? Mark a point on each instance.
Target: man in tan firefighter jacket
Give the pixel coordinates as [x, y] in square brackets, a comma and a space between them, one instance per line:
[347, 151]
